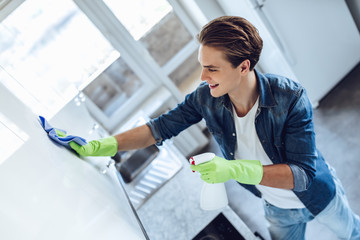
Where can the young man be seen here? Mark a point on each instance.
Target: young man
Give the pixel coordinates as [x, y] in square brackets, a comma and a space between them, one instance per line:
[263, 121]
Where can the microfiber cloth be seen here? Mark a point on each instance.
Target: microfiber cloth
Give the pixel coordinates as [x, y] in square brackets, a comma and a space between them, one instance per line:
[61, 140]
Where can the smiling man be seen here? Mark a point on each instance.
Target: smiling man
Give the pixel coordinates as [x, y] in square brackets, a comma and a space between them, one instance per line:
[263, 125]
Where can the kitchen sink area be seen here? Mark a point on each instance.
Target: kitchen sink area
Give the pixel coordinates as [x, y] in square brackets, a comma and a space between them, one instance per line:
[165, 193]
[166, 197]
[134, 162]
[144, 171]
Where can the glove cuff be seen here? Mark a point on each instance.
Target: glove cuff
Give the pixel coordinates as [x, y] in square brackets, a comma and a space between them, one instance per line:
[247, 171]
[108, 146]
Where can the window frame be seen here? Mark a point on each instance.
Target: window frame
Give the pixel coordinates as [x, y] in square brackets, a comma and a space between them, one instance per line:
[133, 54]
[137, 57]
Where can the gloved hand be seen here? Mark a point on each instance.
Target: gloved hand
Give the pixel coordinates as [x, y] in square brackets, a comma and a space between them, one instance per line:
[102, 147]
[220, 170]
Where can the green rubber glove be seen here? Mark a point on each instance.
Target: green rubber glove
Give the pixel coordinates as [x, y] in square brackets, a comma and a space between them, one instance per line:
[220, 170]
[102, 147]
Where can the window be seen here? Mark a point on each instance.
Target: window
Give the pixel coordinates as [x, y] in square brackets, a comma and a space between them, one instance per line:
[113, 87]
[139, 16]
[45, 48]
[52, 51]
[160, 30]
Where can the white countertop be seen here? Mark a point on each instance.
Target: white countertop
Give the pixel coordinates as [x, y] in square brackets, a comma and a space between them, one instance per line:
[48, 192]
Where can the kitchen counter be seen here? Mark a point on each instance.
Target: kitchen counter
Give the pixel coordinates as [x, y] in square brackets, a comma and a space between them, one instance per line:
[174, 210]
[47, 191]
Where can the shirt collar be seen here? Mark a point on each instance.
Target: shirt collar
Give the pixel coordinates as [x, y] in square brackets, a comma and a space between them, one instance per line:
[266, 98]
[266, 95]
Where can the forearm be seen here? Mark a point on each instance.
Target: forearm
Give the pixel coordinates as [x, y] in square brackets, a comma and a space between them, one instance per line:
[278, 176]
[139, 137]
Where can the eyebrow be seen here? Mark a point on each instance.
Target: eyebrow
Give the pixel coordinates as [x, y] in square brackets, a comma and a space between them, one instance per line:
[210, 66]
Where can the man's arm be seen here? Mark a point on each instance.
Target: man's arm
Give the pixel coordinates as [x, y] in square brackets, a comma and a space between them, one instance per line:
[172, 123]
[139, 137]
[246, 171]
[278, 176]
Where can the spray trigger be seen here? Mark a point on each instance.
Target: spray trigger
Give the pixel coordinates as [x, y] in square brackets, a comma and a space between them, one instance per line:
[192, 162]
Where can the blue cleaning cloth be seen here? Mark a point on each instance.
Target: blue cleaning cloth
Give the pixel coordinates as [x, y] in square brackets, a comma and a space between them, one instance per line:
[61, 140]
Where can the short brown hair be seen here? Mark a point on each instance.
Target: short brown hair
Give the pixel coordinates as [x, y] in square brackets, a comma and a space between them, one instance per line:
[236, 36]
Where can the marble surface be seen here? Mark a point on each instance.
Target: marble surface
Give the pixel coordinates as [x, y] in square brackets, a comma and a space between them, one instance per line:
[174, 210]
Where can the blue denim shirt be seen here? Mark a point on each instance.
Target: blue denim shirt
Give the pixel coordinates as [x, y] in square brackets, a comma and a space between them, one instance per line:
[284, 126]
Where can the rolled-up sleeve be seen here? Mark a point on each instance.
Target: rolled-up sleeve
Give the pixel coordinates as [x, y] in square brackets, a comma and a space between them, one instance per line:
[301, 181]
[155, 132]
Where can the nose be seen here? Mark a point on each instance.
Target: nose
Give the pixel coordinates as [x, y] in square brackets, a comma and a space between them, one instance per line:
[203, 76]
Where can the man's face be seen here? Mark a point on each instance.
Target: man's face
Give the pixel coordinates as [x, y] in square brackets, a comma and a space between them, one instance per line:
[218, 72]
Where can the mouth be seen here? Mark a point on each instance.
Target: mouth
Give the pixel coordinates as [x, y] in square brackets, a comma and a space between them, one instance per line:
[212, 86]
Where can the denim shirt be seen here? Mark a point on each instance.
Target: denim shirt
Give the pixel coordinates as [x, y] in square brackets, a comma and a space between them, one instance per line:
[283, 124]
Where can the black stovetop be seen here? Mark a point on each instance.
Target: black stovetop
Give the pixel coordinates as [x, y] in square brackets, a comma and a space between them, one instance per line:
[219, 229]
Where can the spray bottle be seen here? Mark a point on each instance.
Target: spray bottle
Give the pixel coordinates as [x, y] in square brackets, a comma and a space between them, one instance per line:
[213, 196]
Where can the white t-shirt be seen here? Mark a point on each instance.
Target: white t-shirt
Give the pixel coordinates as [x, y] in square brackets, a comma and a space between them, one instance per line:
[249, 147]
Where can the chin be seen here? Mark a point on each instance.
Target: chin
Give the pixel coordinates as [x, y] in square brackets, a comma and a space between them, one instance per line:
[215, 94]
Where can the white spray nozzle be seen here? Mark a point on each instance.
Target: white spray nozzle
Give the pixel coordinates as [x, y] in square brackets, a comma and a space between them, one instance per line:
[201, 158]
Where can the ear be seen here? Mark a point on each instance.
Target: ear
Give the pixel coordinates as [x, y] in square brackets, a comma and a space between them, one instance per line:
[245, 66]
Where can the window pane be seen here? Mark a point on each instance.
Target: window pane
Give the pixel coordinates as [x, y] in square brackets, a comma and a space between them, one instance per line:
[50, 48]
[166, 39]
[139, 16]
[113, 87]
[154, 24]
[187, 75]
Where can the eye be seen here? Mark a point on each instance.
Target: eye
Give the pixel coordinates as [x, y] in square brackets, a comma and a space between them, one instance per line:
[212, 70]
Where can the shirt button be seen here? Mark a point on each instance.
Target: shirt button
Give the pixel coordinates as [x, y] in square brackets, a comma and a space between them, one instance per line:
[231, 154]
[234, 134]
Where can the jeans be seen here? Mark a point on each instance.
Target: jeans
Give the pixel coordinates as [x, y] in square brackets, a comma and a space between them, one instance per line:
[337, 216]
